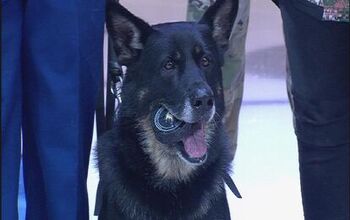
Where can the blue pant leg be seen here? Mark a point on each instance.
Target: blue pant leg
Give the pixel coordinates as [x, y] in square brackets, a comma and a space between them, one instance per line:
[318, 54]
[62, 53]
[11, 103]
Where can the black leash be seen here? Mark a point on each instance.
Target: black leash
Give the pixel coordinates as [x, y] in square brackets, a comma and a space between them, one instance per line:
[229, 182]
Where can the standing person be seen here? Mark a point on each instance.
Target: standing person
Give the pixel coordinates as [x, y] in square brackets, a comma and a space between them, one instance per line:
[317, 40]
[51, 61]
[234, 67]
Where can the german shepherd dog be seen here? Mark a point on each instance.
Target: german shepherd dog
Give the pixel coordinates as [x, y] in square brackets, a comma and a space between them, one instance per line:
[167, 155]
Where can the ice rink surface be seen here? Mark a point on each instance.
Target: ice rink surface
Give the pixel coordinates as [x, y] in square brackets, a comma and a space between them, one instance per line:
[266, 162]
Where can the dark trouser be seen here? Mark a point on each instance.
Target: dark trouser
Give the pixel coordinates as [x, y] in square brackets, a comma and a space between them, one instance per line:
[51, 61]
[318, 55]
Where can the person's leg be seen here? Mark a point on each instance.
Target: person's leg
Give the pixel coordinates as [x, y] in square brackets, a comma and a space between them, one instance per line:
[62, 60]
[11, 104]
[234, 71]
[234, 68]
[318, 54]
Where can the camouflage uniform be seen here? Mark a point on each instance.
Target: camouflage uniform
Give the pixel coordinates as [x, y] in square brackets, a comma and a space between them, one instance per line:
[334, 10]
[233, 70]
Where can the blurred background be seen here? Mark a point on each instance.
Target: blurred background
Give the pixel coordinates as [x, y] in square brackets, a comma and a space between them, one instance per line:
[266, 161]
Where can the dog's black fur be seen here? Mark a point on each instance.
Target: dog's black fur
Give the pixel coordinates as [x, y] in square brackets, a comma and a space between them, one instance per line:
[141, 176]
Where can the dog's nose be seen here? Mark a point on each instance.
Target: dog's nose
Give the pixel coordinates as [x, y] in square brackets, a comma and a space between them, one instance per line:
[202, 100]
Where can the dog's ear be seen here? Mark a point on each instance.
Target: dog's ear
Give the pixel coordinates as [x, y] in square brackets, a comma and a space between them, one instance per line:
[128, 32]
[220, 18]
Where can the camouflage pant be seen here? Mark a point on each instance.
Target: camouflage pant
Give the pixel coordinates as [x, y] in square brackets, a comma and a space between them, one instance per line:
[233, 70]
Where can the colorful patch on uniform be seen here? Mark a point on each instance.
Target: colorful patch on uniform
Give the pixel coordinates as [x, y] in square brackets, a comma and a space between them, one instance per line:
[334, 10]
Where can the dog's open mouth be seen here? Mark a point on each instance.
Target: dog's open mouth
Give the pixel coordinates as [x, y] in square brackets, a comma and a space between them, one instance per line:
[189, 138]
[193, 148]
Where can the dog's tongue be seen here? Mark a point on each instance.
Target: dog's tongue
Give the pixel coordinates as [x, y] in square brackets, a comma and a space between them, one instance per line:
[195, 145]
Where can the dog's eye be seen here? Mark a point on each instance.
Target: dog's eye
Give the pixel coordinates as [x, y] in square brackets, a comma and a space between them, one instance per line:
[205, 61]
[169, 65]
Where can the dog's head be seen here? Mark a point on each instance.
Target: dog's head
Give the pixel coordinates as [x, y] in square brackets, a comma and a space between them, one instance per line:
[173, 84]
